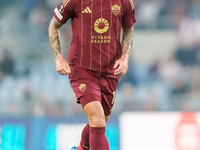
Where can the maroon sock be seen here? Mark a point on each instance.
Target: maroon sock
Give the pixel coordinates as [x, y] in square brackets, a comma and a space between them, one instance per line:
[85, 138]
[98, 139]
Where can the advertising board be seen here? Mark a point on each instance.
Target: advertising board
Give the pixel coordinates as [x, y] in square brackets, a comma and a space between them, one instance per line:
[160, 131]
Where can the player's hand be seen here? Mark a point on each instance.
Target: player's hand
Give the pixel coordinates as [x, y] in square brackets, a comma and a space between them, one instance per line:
[121, 66]
[62, 67]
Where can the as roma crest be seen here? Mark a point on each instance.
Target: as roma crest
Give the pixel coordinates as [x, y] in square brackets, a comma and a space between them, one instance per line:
[61, 8]
[82, 87]
[115, 9]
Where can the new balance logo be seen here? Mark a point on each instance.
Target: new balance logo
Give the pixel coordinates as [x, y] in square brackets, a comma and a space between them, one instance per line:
[87, 10]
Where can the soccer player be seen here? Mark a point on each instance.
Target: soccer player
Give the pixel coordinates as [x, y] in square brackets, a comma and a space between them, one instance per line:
[96, 58]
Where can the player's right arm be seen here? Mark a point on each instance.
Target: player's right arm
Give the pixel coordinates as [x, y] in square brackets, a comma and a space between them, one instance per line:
[62, 67]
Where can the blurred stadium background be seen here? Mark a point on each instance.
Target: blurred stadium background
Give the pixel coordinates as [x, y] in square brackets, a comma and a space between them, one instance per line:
[37, 106]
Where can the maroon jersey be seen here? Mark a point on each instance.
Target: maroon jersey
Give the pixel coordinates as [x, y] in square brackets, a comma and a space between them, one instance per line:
[96, 27]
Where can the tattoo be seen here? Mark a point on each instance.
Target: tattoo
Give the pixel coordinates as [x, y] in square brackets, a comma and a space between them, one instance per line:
[127, 41]
[54, 39]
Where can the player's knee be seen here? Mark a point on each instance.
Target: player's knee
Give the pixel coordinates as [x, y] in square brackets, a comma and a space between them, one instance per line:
[97, 121]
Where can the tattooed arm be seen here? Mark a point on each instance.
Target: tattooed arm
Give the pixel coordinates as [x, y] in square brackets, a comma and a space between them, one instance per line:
[62, 67]
[54, 31]
[127, 43]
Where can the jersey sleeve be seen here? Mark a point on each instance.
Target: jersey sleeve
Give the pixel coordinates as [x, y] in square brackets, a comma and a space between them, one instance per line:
[128, 18]
[64, 11]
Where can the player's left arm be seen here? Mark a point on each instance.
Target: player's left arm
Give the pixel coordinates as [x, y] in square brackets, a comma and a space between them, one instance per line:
[127, 42]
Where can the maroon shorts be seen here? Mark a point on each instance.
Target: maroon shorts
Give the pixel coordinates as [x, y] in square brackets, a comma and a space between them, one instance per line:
[92, 86]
